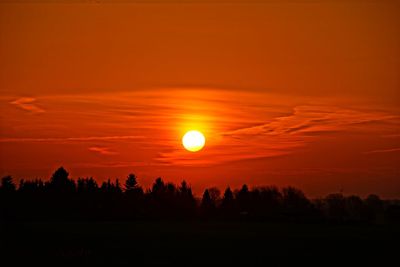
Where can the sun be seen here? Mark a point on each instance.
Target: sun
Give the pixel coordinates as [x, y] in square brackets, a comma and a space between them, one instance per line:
[193, 141]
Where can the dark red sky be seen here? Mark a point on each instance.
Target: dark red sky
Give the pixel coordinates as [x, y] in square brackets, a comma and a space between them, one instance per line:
[304, 93]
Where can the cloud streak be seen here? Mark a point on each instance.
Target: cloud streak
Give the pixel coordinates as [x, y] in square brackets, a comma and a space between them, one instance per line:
[71, 139]
[283, 135]
[389, 150]
[102, 150]
[239, 126]
[27, 103]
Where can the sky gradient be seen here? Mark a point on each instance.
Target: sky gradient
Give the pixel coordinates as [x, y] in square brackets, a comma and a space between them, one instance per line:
[302, 93]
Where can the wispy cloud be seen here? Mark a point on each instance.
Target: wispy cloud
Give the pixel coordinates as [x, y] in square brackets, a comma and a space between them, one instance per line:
[239, 126]
[305, 119]
[102, 150]
[284, 134]
[28, 104]
[389, 150]
[113, 164]
[73, 139]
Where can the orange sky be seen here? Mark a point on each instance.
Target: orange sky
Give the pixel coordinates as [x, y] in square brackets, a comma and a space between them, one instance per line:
[304, 93]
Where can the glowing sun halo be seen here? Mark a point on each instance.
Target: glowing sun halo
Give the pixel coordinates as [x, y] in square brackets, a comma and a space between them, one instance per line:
[193, 141]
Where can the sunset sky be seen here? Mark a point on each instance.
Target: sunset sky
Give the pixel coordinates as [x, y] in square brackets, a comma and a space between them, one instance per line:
[302, 93]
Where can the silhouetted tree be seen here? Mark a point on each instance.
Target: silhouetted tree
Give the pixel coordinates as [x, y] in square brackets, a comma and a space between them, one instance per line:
[206, 200]
[158, 199]
[86, 185]
[185, 192]
[215, 195]
[335, 207]
[158, 186]
[227, 204]
[392, 211]
[7, 198]
[31, 187]
[243, 200]
[170, 189]
[60, 176]
[228, 196]
[134, 197]
[296, 204]
[207, 206]
[355, 209]
[62, 191]
[110, 200]
[184, 189]
[131, 183]
[375, 208]
[117, 187]
[185, 200]
[269, 202]
[61, 197]
[60, 182]
[87, 198]
[7, 185]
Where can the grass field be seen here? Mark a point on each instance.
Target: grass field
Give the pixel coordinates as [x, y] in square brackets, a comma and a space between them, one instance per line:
[188, 243]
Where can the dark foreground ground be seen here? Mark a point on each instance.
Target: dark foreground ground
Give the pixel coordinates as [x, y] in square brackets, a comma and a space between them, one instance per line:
[196, 243]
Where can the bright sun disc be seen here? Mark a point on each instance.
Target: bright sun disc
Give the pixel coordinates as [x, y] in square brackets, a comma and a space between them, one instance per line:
[193, 141]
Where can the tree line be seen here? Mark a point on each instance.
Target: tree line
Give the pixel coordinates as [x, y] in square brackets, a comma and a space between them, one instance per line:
[64, 198]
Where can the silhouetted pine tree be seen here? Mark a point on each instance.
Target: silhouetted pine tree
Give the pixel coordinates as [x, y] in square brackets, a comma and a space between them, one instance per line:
[227, 204]
[208, 207]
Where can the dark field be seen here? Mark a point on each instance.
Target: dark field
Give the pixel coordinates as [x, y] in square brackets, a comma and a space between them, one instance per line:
[188, 243]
